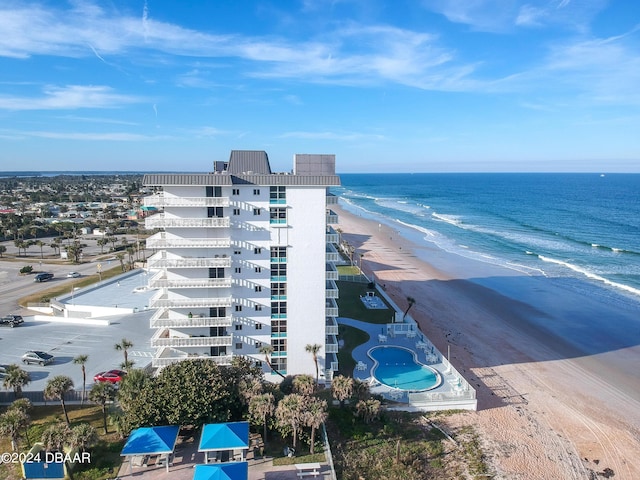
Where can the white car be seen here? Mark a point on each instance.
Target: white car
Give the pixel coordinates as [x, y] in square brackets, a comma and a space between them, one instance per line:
[73, 275]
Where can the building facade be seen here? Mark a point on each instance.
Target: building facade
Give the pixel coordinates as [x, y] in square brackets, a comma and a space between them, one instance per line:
[244, 264]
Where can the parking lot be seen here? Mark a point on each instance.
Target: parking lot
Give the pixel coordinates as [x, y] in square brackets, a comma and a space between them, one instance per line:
[66, 341]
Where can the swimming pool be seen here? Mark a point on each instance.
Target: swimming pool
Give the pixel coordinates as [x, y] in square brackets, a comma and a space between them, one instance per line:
[398, 367]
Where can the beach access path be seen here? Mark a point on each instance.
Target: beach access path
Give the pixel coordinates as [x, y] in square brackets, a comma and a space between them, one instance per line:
[556, 374]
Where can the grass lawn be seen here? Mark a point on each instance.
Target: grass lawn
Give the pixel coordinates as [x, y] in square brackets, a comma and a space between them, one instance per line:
[350, 305]
[105, 455]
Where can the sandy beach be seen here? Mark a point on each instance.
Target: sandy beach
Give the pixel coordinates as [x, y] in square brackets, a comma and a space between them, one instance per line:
[556, 371]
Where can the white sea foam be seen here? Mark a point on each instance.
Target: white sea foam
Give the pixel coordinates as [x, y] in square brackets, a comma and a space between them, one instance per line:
[590, 275]
[451, 219]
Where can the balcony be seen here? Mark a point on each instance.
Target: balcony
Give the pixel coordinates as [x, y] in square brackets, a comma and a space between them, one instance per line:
[332, 217]
[186, 342]
[332, 199]
[170, 201]
[331, 289]
[331, 344]
[161, 281]
[161, 241]
[160, 220]
[331, 326]
[331, 308]
[332, 235]
[331, 272]
[166, 319]
[160, 260]
[159, 362]
[332, 254]
[164, 301]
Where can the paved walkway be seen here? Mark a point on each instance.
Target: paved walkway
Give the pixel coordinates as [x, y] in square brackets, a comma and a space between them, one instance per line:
[187, 456]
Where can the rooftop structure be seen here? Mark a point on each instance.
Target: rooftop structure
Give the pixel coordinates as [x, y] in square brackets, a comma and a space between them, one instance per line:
[245, 261]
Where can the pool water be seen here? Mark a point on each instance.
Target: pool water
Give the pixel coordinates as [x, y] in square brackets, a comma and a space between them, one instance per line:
[397, 367]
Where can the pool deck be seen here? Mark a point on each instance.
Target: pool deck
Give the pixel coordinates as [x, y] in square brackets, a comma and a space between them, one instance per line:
[450, 378]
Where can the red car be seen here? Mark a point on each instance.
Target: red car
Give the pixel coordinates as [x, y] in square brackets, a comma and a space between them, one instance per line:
[113, 376]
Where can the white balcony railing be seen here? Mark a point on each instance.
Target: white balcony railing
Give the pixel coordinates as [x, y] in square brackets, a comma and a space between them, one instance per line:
[160, 220]
[332, 254]
[158, 261]
[332, 199]
[332, 217]
[331, 308]
[169, 201]
[161, 241]
[159, 362]
[332, 272]
[164, 282]
[182, 342]
[164, 301]
[331, 326]
[185, 322]
[331, 289]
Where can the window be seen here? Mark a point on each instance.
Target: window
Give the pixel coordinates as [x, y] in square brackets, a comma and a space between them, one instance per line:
[235, 191]
[279, 309]
[237, 252]
[279, 364]
[213, 191]
[278, 254]
[256, 211]
[278, 290]
[258, 326]
[277, 215]
[278, 272]
[258, 288]
[279, 344]
[236, 211]
[258, 307]
[238, 345]
[277, 194]
[237, 270]
[256, 191]
[257, 250]
[238, 309]
[257, 269]
[278, 326]
[216, 272]
[215, 212]
[217, 312]
[238, 327]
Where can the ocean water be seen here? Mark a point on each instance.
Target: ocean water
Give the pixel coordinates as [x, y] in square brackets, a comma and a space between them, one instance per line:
[574, 226]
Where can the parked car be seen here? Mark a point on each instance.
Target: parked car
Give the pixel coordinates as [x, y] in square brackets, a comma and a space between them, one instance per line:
[35, 356]
[73, 275]
[11, 320]
[113, 376]
[43, 277]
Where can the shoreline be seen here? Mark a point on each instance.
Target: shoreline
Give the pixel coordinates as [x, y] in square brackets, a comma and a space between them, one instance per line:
[558, 396]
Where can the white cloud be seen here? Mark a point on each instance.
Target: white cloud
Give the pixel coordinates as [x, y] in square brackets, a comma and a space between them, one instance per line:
[85, 136]
[346, 136]
[69, 97]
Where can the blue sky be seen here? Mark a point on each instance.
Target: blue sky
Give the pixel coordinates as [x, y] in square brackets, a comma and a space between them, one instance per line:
[414, 86]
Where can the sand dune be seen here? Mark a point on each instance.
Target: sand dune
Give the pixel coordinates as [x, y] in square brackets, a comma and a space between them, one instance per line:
[556, 371]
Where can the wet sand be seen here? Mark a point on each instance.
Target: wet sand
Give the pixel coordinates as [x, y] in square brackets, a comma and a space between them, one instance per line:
[556, 370]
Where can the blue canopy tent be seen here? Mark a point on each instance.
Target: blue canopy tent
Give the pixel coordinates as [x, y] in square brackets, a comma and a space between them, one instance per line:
[150, 443]
[222, 471]
[230, 438]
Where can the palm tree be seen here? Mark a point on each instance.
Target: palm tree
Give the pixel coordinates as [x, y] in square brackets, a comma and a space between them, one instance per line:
[126, 366]
[313, 349]
[411, 301]
[314, 416]
[24, 406]
[55, 436]
[124, 345]
[102, 393]
[369, 410]
[83, 436]
[82, 360]
[342, 388]
[267, 350]
[304, 385]
[289, 412]
[41, 244]
[120, 256]
[56, 389]
[11, 422]
[16, 378]
[261, 407]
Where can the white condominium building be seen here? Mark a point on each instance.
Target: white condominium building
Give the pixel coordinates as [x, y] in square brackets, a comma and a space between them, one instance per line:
[244, 264]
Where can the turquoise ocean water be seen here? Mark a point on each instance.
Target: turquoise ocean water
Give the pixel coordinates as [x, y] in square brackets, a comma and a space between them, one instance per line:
[582, 228]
